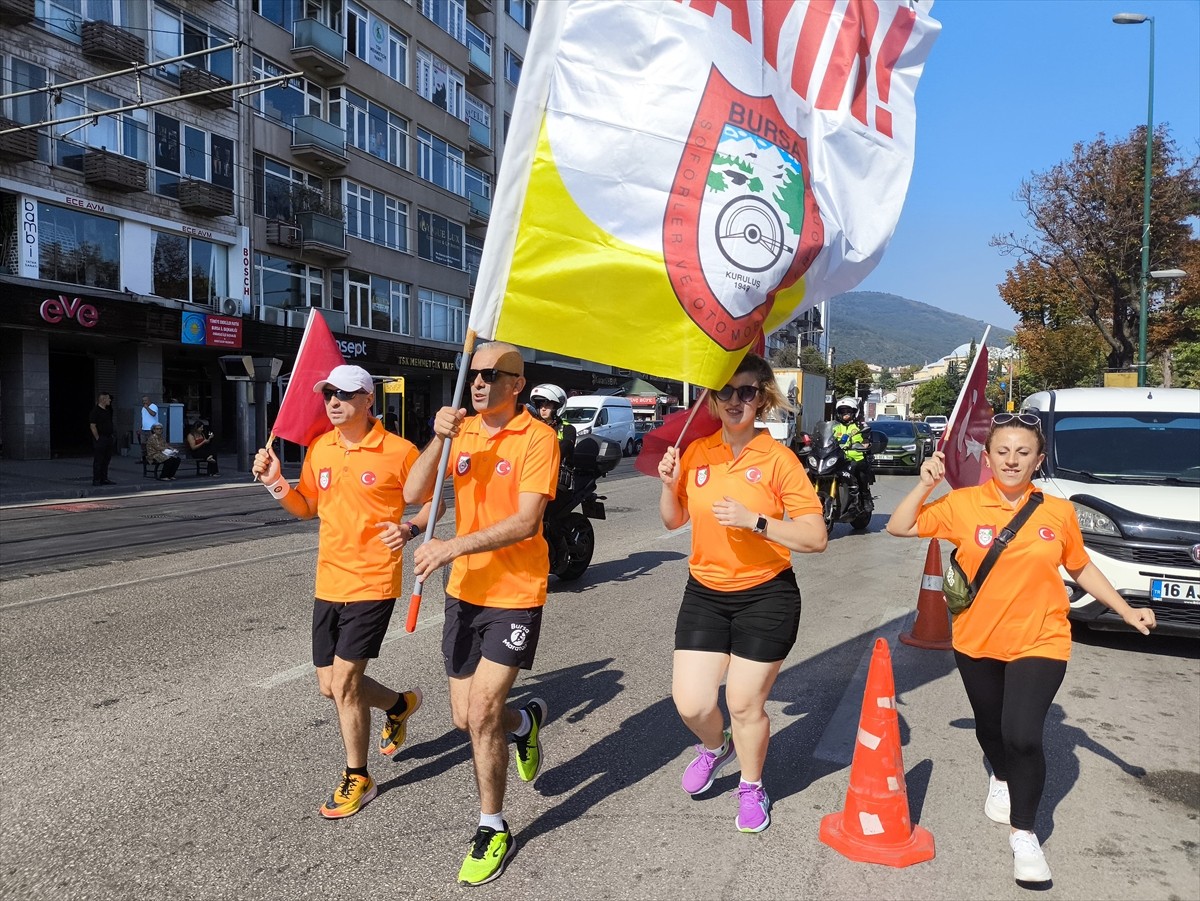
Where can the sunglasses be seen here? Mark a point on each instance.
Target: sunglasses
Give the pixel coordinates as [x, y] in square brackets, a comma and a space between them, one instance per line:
[745, 393]
[490, 375]
[344, 396]
[1029, 419]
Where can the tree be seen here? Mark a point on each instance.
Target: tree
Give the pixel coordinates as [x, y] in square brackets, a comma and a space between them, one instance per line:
[907, 373]
[934, 397]
[784, 357]
[1085, 250]
[811, 360]
[886, 381]
[844, 377]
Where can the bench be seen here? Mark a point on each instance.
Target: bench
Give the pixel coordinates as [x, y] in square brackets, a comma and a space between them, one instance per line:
[152, 470]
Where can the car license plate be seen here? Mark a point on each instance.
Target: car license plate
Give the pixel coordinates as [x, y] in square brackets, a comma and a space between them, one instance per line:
[884, 457]
[1165, 590]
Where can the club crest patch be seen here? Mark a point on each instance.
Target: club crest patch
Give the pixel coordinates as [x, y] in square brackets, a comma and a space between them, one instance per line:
[463, 465]
[1046, 534]
[367, 478]
[517, 637]
[701, 476]
[503, 468]
[324, 478]
[753, 474]
[741, 198]
[985, 535]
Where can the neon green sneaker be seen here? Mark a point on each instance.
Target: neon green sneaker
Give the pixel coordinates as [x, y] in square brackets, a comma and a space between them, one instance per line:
[529, 747]
[490, 851]
[395, 727]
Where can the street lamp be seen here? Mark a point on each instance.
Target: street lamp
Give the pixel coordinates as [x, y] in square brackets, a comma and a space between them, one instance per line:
[1138, 19]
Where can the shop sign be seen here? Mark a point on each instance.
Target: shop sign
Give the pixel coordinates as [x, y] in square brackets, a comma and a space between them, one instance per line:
[352, 349]
[55, 309]
[213, 331]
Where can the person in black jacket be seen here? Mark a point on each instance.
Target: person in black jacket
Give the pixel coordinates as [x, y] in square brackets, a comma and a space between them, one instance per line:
[101, 424]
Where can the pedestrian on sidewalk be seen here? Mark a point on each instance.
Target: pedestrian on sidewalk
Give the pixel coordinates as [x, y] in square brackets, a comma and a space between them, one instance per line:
[741, 606]
[1013, 642]
[162, 454]
[200, 446]
[149, 413]
[353, 479]
[504, 463]
[101, 424]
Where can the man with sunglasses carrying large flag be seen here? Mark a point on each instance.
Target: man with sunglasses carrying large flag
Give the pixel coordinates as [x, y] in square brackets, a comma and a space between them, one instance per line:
[353, 479]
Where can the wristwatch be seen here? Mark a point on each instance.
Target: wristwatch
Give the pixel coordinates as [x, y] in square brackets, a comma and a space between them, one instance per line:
[414, 529]
[761, 526]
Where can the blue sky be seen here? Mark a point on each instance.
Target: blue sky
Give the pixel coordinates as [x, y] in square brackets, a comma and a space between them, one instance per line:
[1009, 88]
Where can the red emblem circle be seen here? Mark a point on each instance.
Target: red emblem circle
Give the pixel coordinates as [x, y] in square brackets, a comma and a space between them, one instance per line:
[1046, 534]
[368, 478]
[503, 468]
[753, 475]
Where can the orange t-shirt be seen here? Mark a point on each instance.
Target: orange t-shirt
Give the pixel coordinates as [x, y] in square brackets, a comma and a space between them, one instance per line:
[1021, 610]
[354, 488]
[768, 479]
[490, 472]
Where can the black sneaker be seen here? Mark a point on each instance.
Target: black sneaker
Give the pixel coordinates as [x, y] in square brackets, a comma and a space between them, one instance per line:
[529, 747]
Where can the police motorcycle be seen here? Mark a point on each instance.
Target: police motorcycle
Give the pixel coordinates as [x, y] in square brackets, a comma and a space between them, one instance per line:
[832, 475]
[569, 532]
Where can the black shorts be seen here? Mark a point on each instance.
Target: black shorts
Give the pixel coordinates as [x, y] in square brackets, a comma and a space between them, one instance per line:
[758, 623]
[352, 631]
[504, 636]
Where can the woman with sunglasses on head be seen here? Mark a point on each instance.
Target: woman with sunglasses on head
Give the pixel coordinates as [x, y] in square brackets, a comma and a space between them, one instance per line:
[1012, 644]
[741, 606]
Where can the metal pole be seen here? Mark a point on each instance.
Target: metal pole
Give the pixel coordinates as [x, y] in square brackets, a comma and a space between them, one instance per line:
[1142, 313]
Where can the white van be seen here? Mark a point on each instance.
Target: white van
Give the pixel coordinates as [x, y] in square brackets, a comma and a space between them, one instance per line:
[602, 416]
[1129, 461]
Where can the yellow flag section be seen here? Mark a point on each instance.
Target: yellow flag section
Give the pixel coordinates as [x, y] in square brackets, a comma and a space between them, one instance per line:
[680, 177]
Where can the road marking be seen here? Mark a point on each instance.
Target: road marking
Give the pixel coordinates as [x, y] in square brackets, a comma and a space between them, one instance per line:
[165, 577]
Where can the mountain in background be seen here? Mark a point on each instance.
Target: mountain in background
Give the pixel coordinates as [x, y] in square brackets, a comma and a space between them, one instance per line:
[890, 330]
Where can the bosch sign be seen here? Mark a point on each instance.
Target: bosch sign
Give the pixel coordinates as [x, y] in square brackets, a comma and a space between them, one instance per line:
[55, 309]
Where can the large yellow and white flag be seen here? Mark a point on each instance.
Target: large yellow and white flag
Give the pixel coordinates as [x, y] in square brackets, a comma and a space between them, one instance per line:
[683, 175]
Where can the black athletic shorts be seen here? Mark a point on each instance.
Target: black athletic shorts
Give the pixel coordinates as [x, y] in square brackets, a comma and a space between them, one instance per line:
[352, 631]
[504, 636]
[758, 623]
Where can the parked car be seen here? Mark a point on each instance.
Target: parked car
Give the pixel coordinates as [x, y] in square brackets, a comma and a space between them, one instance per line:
[601, 416]
[640, 428]
[905, 448]
[926, 432]
[1128, 459]
[937, 424]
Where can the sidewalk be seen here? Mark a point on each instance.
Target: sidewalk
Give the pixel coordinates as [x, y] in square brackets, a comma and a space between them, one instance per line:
[70, 478]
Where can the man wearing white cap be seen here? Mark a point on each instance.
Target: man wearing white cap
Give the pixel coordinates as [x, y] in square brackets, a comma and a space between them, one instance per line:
[353, 479]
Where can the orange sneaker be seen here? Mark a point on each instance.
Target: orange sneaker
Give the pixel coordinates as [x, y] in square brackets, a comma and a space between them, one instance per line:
[351, 795]
[395, 727]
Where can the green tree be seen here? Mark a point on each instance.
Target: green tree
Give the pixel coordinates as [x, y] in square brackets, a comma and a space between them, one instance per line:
[886, 381]
[844, 377]
[934, 397]
[812, 360]
[784, 357]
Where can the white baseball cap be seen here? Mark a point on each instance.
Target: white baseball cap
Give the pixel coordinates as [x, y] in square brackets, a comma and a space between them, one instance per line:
[347, 378]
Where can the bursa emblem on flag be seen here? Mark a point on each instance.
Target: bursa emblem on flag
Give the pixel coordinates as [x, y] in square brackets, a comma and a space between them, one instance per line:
[735, 230]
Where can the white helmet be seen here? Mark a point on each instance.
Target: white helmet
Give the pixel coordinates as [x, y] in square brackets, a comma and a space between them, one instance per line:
[552, 393]
[851, 402]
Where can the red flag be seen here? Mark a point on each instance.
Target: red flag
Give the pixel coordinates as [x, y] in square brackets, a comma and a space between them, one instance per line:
[963, 440]
[656, 441]
[301, 418]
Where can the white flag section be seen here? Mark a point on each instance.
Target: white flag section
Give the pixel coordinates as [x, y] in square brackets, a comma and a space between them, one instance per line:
[680, 177]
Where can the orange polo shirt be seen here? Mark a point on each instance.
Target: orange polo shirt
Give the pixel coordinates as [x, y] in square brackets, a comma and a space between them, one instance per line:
[1021, 610]
[490, 472]
[767, 478]
[356, 487]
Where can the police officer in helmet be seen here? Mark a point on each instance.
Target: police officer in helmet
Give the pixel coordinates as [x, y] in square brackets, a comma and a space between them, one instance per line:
[848, 433]
[548, 400]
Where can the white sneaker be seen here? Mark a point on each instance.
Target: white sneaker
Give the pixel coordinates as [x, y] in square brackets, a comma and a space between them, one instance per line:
[1029, 863]
[997, 806]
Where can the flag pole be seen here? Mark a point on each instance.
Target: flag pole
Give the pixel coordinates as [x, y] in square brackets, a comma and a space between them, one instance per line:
[691, 415]
[414, 602]
[963, 390]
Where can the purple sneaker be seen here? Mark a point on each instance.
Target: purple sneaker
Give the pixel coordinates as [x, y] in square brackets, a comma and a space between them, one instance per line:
[700, 773]
[753, 808]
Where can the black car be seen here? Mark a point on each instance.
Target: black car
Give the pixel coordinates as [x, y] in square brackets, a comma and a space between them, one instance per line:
[905, 445]
[926, 432]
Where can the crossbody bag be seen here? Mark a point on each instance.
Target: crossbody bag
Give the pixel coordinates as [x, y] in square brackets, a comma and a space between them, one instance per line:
[959, 590]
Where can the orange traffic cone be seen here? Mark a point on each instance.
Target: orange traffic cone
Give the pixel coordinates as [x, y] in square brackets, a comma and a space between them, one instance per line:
[932, 627]
[875, 827]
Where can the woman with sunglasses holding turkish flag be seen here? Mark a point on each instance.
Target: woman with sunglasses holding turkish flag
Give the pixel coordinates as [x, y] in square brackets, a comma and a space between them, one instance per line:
[741, 607]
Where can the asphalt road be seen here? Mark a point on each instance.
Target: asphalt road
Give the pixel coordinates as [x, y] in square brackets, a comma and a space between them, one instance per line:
[164, 738]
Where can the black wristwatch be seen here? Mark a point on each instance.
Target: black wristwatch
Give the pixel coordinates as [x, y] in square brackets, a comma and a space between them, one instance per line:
[761, 526]
[414, 529]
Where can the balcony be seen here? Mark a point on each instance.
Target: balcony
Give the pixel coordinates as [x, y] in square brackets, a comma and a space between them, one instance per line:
[324, 235]
[18, 146]
[319, 143]
[106, 42]
[192, 80]
[319, 51]
[481, 208]
[205, 198]
[16, 12]
[480, 138]
[102, 169]
[479, 72]
[478, 7]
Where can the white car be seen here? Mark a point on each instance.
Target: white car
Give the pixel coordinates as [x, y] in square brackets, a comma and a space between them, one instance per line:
[1129, 461]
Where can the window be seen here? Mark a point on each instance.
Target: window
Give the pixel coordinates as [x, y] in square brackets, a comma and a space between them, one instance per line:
[474, 253]
[439, 240]
[512, 67]
[374, 216]
[370, 127]
[478, 182]
[357, 25]
[443, 317]
[181, 151]
[189, 269]
[448, 15]
[173, 34]
[374, 302]
[520, 11]
[78, 247]
[481, 42]
[65, 18]
[440, 84]
[284, 102]
[287, 284]
[282, 12]
[374, 41]
[397, 61]
[440, 162]
[276, 185]
[32, 107]
[124, 134]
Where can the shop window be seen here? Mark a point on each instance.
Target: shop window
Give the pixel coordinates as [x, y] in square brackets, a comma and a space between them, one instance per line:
[78, 247]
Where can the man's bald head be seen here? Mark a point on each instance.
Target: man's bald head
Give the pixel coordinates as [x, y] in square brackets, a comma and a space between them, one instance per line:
[498, 354]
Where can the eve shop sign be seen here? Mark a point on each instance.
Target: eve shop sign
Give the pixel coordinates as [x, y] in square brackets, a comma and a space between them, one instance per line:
[56, 309]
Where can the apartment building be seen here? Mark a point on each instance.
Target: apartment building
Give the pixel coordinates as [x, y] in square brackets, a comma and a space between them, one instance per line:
[202, 172]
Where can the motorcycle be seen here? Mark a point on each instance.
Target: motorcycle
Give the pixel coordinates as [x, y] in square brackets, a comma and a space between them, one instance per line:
[830, 471]
[569, 532]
